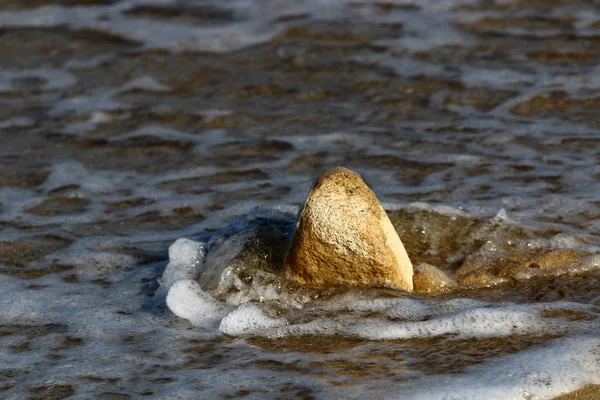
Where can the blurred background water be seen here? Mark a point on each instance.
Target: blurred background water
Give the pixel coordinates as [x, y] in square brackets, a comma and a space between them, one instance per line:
[125, 125]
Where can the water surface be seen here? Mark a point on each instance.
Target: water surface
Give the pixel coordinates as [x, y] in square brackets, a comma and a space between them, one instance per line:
[126, 125]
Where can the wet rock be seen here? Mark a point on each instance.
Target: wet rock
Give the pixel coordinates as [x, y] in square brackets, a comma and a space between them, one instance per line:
[431, 280]
[481, 279]
[520, 264]
[344, 236]
[555, 259]
[244, 249]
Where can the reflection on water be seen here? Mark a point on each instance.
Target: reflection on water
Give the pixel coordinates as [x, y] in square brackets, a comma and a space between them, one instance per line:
[126, 125]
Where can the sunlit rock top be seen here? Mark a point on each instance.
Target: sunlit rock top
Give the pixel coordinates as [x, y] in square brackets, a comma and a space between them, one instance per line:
[344, 236]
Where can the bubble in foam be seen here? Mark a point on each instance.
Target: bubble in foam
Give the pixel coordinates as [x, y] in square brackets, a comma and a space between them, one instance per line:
[461, 320]
[414, 310]
[470, 323]
[402, 308]
[185, 257]
[185, 251]
[249, 319]
[187, 300]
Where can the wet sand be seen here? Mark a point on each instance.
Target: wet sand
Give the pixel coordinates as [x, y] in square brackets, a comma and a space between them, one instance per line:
[590, 392]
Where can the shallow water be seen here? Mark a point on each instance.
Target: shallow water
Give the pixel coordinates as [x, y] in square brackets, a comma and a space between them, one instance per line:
[126, 125]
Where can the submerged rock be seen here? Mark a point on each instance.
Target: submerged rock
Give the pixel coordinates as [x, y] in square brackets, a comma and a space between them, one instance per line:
[344, 236]
[480, 279]
[485, 268]
[431, 280]
[247, 246]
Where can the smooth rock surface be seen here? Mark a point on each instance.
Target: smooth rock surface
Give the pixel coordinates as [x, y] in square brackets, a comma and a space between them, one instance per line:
[344, 236]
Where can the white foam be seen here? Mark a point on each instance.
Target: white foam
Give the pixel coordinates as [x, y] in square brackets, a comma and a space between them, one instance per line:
[123, 336]
[482, 322]
[187, 300]
[53, 79]
[400, 319]
[185, 257]
[147, 84]
[502, 216]
[409, 309]
[70, 173]
[87, 104]
[210, 115]
[20, 307]
[95, 265]
[248, 319]
[541, 373]
[186, 251]
[17, 122]
[160, 132]
[174, 36]
[100, 117]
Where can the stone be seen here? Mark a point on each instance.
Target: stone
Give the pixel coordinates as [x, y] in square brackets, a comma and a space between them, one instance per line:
[431, 280]
[344, 237]
[481, 279]
[250, 245]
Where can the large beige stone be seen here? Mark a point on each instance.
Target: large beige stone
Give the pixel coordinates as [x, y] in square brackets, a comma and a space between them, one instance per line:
[344, 236]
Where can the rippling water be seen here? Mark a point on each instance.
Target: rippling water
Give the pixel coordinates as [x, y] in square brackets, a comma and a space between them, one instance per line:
[126, 125]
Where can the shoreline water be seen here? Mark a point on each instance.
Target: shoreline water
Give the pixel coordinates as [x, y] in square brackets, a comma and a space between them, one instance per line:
[126, 125]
